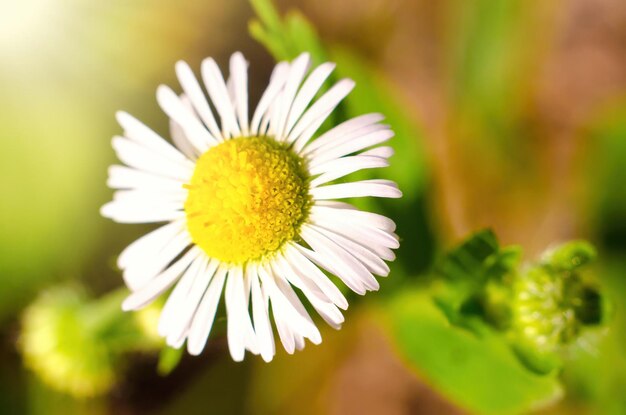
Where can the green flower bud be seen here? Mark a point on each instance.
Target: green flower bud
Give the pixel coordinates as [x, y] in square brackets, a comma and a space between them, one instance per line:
[74, 344]
[58, 344]
[550, 307]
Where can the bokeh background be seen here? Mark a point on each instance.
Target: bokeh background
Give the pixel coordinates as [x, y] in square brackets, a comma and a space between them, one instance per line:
[511, 114]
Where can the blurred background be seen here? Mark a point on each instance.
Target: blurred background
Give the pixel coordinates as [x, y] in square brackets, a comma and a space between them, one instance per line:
[509, 114]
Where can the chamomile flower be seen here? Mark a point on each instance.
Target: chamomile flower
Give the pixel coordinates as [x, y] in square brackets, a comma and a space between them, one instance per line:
[251, 208]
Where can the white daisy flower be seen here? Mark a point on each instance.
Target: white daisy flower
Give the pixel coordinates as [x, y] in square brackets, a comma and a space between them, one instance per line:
[250, 208]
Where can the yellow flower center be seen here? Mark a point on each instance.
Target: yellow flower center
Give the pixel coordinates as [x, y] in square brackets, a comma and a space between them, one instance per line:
[247, 197]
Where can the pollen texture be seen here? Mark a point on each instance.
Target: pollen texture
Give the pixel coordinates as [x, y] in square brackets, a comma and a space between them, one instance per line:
[247, 197]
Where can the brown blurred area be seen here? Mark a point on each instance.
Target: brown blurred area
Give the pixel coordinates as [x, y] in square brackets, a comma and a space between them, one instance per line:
[574, 63]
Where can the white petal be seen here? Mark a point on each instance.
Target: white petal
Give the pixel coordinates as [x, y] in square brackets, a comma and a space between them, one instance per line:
[359, 228]
[376, 240]
[151, 197]
[308, 330]
[306, 135]
[187, 311]
[297, 71]
[122, 177]
[178, 343]
[382, 151]
[318, 300]
[372, 262]
[195, 131]
[149, 292]
[309, 289]
[218, 92]
[146, 246]
[137, 131]
[205, 316]
[178, 134]
[305, 95]
[124, 213]
[236, 327]
[345, 212]
[277, 80]
[346, 267]
[322, 106]
[356, 144]
[343, 129]
[141, 271]
[278, 310]
[274, 113]
[239, 77]
[292, 321]
[250, 338]
[175, 302]
[262, 325]
[142, 158]
[346, 165]
[363, 188]
[196, 96]
[308, 270]
[341, 139]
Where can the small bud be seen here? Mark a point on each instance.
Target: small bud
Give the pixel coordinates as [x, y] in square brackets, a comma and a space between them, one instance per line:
[74, 343]
[570, 256]
[60, 347]
[551, 304]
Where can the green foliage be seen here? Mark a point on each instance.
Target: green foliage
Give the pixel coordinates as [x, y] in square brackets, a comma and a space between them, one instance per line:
[466, 262]
[169, 358]
[480, 373]
[285, 38]
[473, 274]
[605, 176]
[540, 308]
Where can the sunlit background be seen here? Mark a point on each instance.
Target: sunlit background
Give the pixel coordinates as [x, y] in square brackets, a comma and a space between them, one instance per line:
[509, 114]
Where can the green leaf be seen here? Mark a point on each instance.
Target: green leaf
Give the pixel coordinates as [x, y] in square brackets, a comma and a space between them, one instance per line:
[169, 358]
[466, 262]
[480, 373]
[502, 263]
[605, 175]
[268, 15]
[272, 43]
[285, 38]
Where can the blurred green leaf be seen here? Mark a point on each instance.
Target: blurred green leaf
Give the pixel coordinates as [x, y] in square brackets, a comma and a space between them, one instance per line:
[169, 358]
[285, 38]
[481, 374]
[473, 284]
[466, 261]
[489, 58]
[605, 176]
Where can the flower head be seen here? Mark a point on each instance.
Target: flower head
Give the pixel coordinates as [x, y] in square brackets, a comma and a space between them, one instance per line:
[250, 207]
